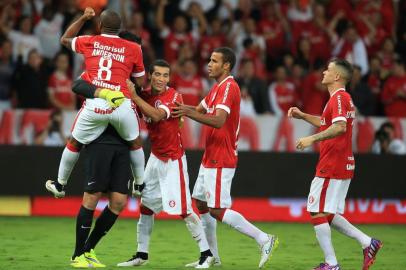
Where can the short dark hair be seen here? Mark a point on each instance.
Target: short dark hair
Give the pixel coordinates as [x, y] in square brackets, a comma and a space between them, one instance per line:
[110, 21]
[127, 35]
[228, 55]
[387, 125]
[345, 66]
[158, 63]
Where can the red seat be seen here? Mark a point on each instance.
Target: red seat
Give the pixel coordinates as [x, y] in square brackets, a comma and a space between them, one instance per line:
[39, 119]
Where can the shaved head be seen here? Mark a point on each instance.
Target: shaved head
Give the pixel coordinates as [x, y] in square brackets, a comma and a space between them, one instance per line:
[344, 68]
[110, 21]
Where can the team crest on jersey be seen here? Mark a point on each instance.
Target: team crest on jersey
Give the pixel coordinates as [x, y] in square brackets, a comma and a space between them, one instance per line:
[172, 203]
[157, 103]
[207, 195]
[311, 199]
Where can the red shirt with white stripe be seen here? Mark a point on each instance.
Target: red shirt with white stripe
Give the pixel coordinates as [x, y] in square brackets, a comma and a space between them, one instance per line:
[109, 60]
[221, 144]
[336, 158]
[165, 136]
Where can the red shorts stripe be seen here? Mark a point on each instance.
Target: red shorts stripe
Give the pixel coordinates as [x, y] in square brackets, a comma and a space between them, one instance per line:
[218, 189]
[182, 188]
[323, 194]
[319, 220]
[76, 118]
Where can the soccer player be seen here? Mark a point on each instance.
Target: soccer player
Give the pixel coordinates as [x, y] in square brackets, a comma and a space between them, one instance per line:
[166, 178]
[335, 168]
[220, 111]
[107, 170]
[109, 60]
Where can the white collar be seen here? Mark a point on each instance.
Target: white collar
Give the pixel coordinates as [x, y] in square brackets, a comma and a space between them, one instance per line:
[339, 89]
[225, 79]
[108, 35]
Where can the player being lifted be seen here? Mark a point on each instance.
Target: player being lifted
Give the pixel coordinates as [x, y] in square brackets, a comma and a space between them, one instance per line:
[110, 61]
[220, 111]
[335, 168]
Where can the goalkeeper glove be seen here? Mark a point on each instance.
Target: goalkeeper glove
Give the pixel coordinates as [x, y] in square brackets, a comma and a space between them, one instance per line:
[137, 189]
[114, 98]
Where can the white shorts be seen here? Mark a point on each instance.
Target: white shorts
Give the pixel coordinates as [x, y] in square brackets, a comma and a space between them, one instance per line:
[213, 185]
[167, 186]
[91, 122]
[327, 195]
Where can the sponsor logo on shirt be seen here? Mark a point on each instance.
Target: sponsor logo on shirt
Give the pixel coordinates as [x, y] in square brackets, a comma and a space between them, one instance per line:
[339, 104]
[350, 167]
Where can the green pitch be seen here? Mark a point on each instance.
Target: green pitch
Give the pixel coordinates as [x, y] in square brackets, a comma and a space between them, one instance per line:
[47, 243]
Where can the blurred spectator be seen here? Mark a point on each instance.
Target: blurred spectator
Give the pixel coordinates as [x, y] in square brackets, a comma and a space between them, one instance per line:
[179, 33]
[187, 82]
[53, 134]
[275, 29]
[374, 79]
[351, 47]
[23, 40]
[246, 105]
[253, 52]
[206, 5]
[385, 141]
[300, 11]
[361, 94]
[49, 31]
[30, 82]
[60, 92]
[254, 86]
[6, 74]
[375, 33]
[97, 5]
[305, 54]
[281, 93]
[394, 91]
[388, 56]
[314, 94]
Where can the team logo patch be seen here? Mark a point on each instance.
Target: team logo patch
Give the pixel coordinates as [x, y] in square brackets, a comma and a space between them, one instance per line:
[207, 195]
[172, 203]
[157, 103]
[311, 199]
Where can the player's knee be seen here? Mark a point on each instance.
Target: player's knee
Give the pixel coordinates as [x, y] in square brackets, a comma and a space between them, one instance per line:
[118, 206]
[90, 200]
[202, 207]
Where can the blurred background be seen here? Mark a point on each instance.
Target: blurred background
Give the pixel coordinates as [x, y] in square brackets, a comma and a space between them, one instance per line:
[282, 48]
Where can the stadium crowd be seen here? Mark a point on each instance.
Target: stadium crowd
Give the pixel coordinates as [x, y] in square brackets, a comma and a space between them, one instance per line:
[282, 49]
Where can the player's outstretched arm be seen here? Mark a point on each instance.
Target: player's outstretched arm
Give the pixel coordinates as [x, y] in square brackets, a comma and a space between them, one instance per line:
[336, 129]
[216, 121]
[156, 114]
[74, 28]
[294, 112]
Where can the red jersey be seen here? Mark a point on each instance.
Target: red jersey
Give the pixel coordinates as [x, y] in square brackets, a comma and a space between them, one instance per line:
[61, 86]
[336, 158]
[282, 97]
[221, 144]
[394, 106]
[190, 88]
[166, 141]
[109, 60]
[173, 42]
[313, 98]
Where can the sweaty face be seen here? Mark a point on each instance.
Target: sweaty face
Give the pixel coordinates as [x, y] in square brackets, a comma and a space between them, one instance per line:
[160, 78]
[330, 74]
[216, 66]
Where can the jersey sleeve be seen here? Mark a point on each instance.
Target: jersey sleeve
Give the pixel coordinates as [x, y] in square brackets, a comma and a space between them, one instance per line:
[170, 103]
[339, 107]
[138, 68]
[225, 96]
[80, 43]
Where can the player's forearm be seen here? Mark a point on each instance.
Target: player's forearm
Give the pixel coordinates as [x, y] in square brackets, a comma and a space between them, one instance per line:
[72, 31]
[312, 119]
[83, 88]
[210, 120]
[336, 129]
[155, 114]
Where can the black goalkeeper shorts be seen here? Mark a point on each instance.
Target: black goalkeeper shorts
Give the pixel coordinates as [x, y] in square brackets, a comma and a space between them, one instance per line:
[107, 168]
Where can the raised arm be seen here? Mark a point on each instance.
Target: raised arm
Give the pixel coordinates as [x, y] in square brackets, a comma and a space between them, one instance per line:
[298, 114]
[74, 28]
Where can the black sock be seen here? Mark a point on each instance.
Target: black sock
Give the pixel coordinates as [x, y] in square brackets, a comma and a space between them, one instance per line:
[83, 224]
[142, 255]
[103, 224]
[206, 253]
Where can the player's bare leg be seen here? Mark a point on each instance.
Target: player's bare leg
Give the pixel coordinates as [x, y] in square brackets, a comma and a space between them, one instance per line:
[144, 230]
[268, 243]
[69, 158]
[323, 235]
[369, 245]
[210, 227]
[137, 161]
[195, 227]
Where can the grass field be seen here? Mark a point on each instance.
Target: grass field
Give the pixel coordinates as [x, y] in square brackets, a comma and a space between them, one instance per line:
[47, 243]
